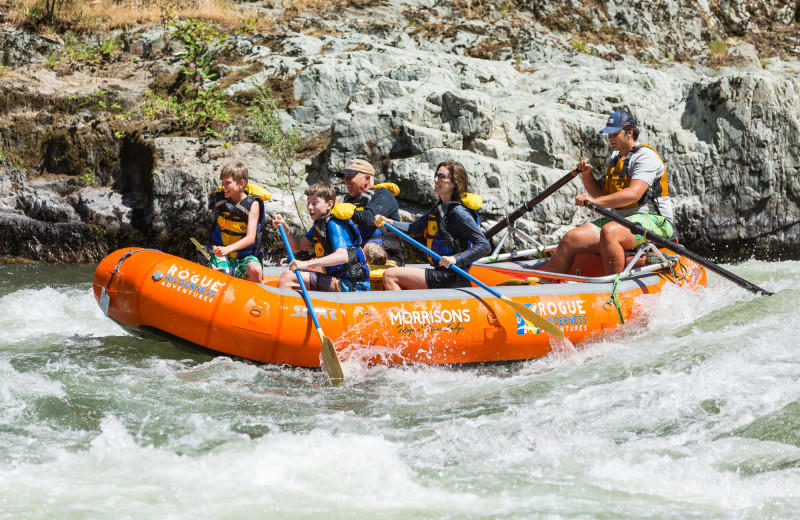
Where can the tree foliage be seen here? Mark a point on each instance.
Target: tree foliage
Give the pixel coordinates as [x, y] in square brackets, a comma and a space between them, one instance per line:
[265, 126]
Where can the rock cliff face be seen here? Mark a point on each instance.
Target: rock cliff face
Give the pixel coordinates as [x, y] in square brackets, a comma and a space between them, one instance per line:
[517, 94]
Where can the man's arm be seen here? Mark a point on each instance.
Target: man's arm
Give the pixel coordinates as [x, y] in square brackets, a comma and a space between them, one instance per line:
[382, 203]
[644, 168]
[621, 198]
[591, 184]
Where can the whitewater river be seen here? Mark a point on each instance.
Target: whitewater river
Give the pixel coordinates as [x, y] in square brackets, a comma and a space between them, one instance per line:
[691, 412]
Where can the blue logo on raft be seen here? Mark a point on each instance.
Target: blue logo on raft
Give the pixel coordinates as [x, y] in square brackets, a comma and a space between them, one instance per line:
[569, 315]
[524, 326]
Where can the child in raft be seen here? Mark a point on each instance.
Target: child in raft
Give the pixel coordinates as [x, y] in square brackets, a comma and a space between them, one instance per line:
[236, 238]
[336, 246]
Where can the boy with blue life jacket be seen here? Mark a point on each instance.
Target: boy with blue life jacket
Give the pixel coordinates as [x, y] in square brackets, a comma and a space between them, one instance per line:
[634, 183]
[451, 230]
[236, 237]
[336, 246]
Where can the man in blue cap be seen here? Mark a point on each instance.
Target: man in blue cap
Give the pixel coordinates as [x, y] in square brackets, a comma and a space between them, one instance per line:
[635, 184]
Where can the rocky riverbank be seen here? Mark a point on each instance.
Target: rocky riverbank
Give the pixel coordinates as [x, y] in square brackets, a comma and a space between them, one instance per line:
[92, 162]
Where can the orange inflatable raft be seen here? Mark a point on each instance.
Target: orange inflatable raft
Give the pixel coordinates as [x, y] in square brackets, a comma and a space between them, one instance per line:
[153, 291]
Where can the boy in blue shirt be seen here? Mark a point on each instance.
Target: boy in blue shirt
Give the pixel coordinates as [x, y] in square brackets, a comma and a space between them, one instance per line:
[339, 264]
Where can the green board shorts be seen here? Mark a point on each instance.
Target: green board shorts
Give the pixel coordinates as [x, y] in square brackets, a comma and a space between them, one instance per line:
[233, 266]
[655, 223]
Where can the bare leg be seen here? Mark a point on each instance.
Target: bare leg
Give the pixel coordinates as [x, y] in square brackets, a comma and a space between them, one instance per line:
[253, 272]
[583, 239]
[614, 240]
[288, 280]
[396, 278]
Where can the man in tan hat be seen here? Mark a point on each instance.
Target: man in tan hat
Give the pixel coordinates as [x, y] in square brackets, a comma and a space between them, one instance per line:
[364, 200]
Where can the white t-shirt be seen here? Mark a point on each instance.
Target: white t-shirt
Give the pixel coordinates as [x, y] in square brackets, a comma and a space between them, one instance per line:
[644, 165]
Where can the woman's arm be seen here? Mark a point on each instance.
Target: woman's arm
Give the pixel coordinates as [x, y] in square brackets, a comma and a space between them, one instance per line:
[460, 223]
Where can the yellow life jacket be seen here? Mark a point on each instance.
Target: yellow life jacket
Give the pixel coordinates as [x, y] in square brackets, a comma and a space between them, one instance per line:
[376, 274]
[437, 235]
[231, 223]
[616, 178]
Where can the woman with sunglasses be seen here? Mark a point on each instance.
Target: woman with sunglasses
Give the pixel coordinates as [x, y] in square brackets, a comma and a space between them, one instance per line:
[451, 230]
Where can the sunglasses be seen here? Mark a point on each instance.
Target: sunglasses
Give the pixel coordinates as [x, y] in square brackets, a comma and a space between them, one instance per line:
[441, 176]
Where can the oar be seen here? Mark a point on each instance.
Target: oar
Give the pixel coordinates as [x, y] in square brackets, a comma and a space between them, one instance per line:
[329, 357]
[638, 229]
[509, 220]
[200, 247]
[523, 311]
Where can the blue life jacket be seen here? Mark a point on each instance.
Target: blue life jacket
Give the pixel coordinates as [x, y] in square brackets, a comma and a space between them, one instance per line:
[356, 267]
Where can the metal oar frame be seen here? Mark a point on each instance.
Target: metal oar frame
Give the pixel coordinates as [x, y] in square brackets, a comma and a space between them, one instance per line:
[538, 251]
[656, 260]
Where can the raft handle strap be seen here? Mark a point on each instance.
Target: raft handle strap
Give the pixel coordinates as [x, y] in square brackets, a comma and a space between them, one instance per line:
[122, 259]
[613, 298]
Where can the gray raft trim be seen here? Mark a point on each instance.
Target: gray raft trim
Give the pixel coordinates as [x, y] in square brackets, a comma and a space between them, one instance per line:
[561, 289]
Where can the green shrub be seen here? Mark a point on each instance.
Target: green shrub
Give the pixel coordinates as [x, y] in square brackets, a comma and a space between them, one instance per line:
[264, 126]
[580, 46]
[202, 109]
[247, 25]
[718, 53]
[717, 47]
[87, 178]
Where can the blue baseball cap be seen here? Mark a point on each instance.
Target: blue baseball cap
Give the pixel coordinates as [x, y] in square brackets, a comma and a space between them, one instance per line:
[619, 120]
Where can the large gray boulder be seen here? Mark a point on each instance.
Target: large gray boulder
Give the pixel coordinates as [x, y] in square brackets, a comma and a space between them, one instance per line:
[518, 97]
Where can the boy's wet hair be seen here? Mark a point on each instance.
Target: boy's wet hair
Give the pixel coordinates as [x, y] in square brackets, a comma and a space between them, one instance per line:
[237, 170]
[323, 190]
[375, 254]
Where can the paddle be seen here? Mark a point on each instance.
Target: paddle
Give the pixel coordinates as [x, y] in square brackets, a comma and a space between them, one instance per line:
[200, 247]
[329, 357]
[637, 229]
[523, 311]
[509, 220]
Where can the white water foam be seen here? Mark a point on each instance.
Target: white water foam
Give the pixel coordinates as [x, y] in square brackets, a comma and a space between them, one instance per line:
[286, 473]
[654, 420]
[30, 313]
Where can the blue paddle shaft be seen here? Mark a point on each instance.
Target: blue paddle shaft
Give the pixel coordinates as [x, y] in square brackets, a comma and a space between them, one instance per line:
[306, 297]
[437, 257]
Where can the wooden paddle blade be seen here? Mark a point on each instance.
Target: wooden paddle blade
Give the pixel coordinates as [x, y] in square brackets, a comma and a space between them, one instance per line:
[200, 248]
[518, 281]
[534, 318]
[331, 360]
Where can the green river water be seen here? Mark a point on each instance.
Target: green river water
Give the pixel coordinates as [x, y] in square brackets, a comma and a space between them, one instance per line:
[692, 411]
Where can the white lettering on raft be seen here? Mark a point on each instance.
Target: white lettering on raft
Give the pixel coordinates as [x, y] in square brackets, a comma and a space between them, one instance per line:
[188, 282]
[405, 317]
[321, 312]
[563, 307]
